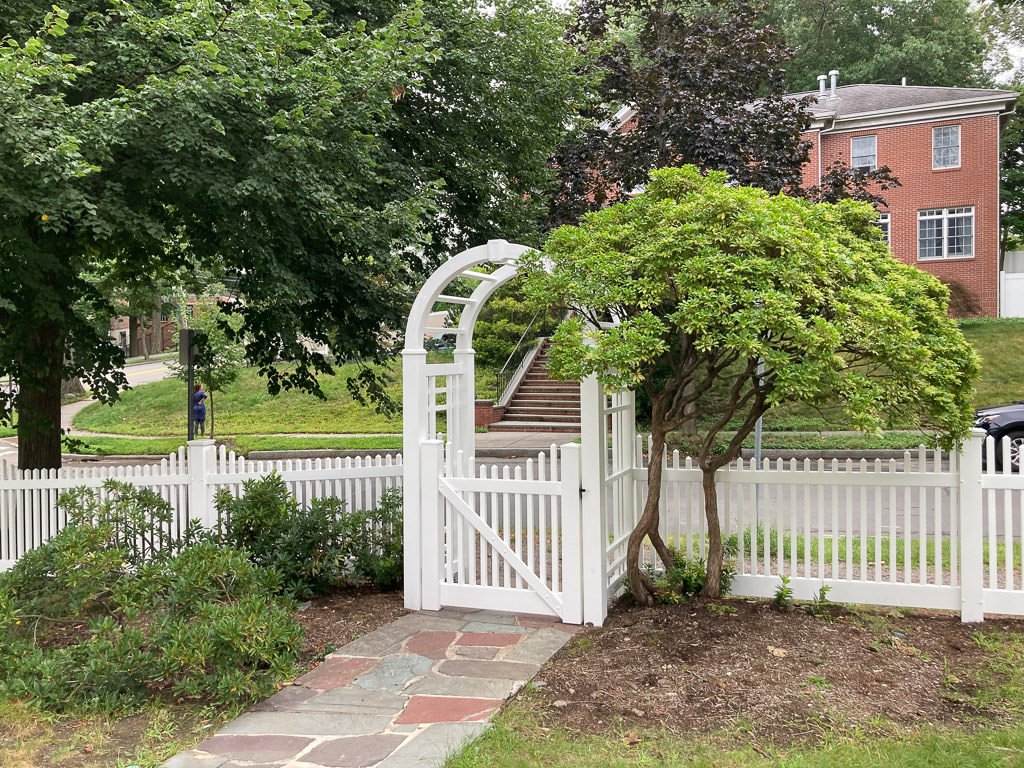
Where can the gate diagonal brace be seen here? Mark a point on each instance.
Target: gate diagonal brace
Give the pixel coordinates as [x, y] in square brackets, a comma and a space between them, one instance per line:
[470, 516]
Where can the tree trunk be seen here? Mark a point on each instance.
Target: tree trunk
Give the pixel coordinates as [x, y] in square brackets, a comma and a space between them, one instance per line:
[716, 553]
[647, 527]
[39, 401]
[72, 387]
[143, 340]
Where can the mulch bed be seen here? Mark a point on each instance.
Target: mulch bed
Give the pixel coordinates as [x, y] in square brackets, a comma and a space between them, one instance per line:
[783, 677]
[331, 621]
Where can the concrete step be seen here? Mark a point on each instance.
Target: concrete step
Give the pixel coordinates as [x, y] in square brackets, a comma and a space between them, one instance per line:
[543, 409]
[532, 426]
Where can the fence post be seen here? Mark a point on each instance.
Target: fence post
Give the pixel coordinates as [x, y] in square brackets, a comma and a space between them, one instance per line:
[594, 545]
[201, 458]
[572, 536]
[431, 522]
[972, 561]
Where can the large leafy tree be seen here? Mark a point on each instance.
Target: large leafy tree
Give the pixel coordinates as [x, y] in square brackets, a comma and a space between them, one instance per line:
[492, 105]
[1011, 186]
[734, 301]
[155, 135]
[930, 42]
[704, 84]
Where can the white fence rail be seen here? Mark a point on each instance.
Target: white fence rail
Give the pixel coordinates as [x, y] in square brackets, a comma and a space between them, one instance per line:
[187, 480]
[930, 530]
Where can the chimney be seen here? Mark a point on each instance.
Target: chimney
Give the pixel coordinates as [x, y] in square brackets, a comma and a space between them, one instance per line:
[834, 74]
[821, 86]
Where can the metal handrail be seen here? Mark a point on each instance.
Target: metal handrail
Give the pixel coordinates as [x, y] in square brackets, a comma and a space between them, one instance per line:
[507, 373]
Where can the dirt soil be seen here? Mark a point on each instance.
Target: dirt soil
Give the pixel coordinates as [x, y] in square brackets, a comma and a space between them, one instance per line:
[783, 677]
[334, 620]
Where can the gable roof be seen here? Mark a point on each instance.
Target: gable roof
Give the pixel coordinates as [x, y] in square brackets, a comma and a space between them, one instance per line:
[876, 103]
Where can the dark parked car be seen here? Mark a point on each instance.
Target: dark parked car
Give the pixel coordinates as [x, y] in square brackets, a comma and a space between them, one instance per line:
[1004, 421]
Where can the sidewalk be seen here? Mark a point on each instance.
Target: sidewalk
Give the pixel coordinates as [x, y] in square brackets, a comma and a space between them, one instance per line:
[404, 696]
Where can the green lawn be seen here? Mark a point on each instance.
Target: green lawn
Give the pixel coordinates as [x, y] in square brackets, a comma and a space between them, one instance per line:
[158, 446]
[244, 408]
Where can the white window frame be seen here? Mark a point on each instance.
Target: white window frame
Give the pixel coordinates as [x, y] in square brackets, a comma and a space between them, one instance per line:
[885, 224]
[935, 131]
[874, 153]
[945, 217]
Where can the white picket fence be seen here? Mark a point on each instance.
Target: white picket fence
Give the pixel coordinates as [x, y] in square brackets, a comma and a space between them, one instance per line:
[928, 531]
[188, 480]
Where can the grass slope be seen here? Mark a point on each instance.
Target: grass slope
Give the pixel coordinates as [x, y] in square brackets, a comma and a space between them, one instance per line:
[244, 408]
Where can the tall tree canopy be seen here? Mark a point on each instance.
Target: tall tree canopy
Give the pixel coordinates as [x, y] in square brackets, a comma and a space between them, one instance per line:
[1011, 186]
[705, 84]
[930, 42]
[257, 135]
[734, 301]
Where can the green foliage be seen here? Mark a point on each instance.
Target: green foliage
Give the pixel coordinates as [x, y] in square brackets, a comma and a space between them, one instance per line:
[686, 578]
[728, 301]
[221, 357]
[930, 42]
[820, 602]
[98, 620]
[304, 546]
[783, 594]
[318, 548]
[1011, 187]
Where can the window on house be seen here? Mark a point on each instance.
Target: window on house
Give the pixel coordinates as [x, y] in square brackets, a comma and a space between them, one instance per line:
[945, 233]
[946, 146]
[863, 152]
[883, 224]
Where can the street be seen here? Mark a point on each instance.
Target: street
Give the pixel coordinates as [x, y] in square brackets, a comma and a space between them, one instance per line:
[136, 373]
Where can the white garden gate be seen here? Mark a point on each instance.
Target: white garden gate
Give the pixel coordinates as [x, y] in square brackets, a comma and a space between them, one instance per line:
[476, 537]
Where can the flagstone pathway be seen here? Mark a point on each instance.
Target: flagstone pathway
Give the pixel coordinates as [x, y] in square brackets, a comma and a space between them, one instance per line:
[404, 696]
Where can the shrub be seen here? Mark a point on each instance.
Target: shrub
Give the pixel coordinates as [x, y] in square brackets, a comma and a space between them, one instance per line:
[304, 546]
[374, 543]
[98, 620]
[318, 548]
[686, 578]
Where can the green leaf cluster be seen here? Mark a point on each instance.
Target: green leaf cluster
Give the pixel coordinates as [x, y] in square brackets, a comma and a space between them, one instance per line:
[685, 289]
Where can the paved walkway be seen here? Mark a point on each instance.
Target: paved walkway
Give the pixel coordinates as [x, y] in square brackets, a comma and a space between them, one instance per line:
[404, 696]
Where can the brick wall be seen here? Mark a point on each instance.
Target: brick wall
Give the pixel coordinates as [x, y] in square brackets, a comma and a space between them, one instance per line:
[907, 150]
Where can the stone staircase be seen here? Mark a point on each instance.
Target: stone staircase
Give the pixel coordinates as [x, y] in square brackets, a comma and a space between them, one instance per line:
[541, 404]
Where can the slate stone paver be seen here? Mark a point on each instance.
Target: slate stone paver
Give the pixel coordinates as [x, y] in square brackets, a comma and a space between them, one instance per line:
[307, 724]
[354, 752]
[484, 626]
[476, 652]
[438, 685]
[500, 670]
[447, 709]
[193, 759]
[490, 638]
[252, 748]
[355, 701]
[404, 696]
[286, 698]
[394, 673]
[335, 671]
[378, 642]
[430, 748]
[430, 643]
[538, 647]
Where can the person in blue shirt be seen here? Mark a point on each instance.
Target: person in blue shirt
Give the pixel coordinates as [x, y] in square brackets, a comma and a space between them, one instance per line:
[199, 410]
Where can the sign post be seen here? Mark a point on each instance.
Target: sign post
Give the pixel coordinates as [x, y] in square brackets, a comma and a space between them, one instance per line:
[187, 349]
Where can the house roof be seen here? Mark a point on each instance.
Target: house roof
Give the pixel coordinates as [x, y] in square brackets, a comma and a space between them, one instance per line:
[870, 100]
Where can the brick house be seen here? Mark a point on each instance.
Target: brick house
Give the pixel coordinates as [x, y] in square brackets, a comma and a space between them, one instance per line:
[943, 146]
